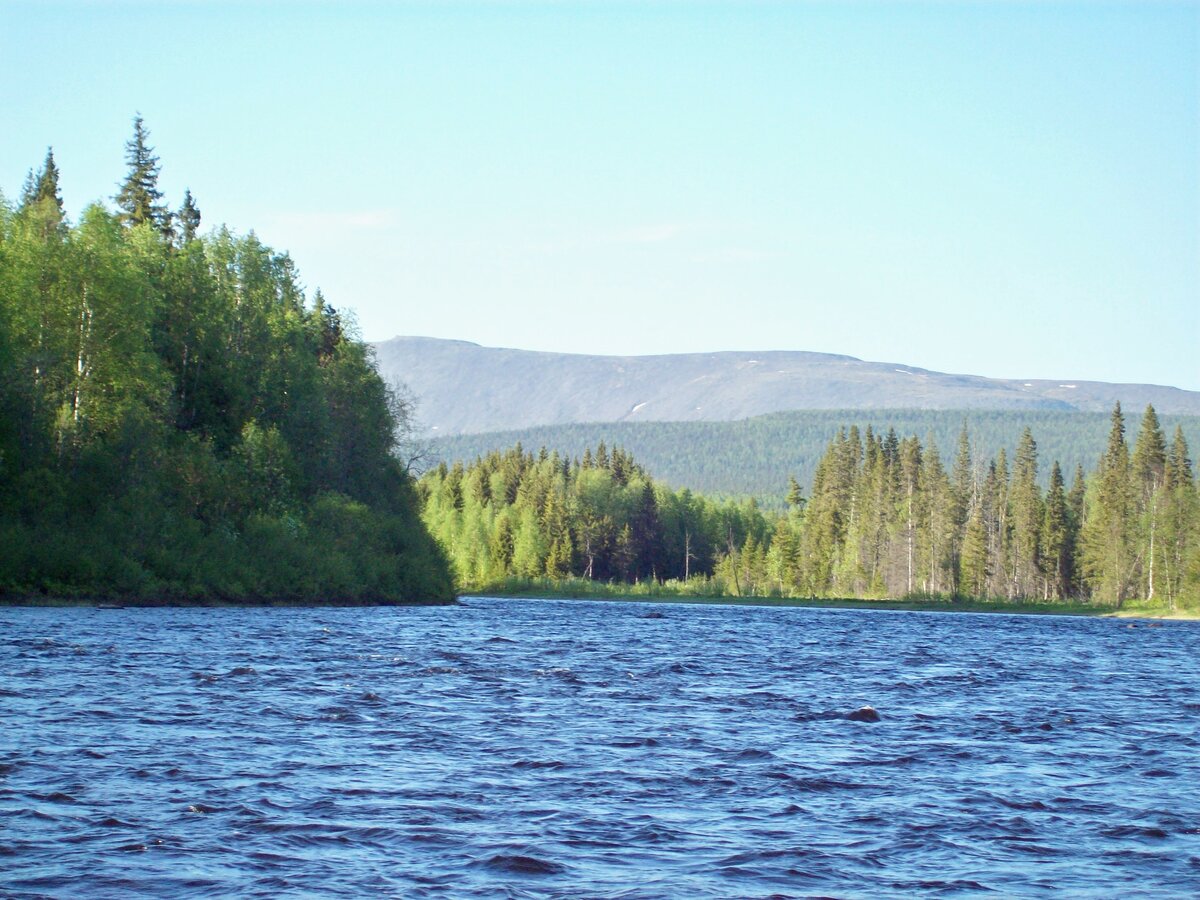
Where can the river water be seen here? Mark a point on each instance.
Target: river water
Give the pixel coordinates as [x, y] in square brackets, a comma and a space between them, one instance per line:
[513, 748]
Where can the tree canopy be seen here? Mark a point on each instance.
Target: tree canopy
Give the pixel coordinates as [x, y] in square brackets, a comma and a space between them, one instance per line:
[178, 422]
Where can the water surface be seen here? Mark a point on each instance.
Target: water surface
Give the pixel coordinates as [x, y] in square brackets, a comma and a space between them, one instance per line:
[579, 749]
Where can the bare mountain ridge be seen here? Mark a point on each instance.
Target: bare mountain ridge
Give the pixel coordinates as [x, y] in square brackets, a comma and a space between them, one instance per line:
[466, 388]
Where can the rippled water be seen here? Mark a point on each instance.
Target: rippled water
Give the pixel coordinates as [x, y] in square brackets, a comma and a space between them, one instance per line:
[581, 749]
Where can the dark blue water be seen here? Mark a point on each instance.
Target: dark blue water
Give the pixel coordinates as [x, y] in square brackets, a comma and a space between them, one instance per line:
[547, 749]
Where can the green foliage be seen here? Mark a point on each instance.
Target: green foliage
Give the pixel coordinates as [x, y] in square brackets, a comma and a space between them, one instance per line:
[177, 423]
[883, 519]
[748, 458]
[519, 515]
[139, 198]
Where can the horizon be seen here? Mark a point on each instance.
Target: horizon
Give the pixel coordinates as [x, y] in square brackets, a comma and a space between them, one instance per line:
[983, 188]
[764, 350]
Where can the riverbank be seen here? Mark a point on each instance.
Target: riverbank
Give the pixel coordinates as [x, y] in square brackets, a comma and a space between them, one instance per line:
[104, 602]
[581, 589]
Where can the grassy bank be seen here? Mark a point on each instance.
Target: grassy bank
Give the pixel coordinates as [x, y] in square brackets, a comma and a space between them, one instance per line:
[709, 591]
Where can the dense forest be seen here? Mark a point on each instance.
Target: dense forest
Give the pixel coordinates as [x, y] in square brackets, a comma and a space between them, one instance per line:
[179, 423]
[885, 517]
[747, 458]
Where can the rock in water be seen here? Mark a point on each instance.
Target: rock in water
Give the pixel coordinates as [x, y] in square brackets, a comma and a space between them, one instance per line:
[864, 714]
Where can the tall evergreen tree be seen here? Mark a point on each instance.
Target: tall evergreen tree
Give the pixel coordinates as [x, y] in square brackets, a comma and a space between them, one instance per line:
[1026, 504]
[189, 218]
[1181, 521]
[1056, 542]
[139, 198]
[47, 183]
[1148, 470]
[1108, 554]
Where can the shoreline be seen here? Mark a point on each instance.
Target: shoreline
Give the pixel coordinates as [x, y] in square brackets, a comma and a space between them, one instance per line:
[1131, 611]
[28, 601]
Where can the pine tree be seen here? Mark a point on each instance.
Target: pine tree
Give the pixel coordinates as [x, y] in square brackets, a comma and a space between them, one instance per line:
[139, 198]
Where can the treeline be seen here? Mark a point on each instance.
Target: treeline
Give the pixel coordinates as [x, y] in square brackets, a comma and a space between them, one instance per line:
[886, 517]
[599, 516]
[178, 422]
[745, 458]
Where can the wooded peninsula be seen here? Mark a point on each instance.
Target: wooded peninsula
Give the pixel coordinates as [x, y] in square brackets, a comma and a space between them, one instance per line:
[178, 423]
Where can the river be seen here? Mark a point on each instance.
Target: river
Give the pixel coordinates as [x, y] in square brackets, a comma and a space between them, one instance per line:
[517, 748]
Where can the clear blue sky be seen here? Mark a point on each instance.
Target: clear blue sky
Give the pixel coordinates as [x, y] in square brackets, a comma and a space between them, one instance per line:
[1007, 189]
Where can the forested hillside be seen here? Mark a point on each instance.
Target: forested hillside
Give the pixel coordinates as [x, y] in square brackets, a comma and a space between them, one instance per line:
[754, 457]
[886, 518]
[179, 423]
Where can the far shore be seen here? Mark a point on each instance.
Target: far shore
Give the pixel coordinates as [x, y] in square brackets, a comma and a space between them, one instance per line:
[1130, 610]
[600, 593]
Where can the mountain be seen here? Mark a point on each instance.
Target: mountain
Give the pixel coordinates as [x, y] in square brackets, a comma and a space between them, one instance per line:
[464, 388]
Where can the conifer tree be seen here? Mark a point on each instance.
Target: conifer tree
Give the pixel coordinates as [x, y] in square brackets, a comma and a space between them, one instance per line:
[936, 530]
[795, 497]
[1056, 538]
[1181, 521]
[139, 198]
[975, 567]
[45, 186]
[1148, 467]
[189, 219]
[1108, 555]
[41, 198]
[962, 478]
[1026, 503]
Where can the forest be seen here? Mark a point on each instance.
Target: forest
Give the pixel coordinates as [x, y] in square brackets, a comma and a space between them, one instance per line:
[744, 458]
[884, 517]
[180, 423]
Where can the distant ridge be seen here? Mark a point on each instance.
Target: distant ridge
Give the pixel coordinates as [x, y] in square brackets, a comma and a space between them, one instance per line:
[465, 388]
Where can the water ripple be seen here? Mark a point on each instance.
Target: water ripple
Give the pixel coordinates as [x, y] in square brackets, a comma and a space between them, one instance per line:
[544, 749]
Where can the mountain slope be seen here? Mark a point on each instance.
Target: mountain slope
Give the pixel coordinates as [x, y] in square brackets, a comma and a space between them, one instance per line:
[465, 388]
[754, 457]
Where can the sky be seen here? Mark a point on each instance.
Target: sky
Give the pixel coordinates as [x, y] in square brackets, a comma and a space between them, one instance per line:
[996, 188]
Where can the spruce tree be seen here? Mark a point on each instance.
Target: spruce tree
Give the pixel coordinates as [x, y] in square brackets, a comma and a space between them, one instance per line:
[139, 198]
[40, 197]
[189, 219]
[975, 569]
[1106, 536]
[1149, 456]
[1026, 505]
[1181, 521]
[47, 183]
[1055, 538]
[795, 497]
[1148, 469]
